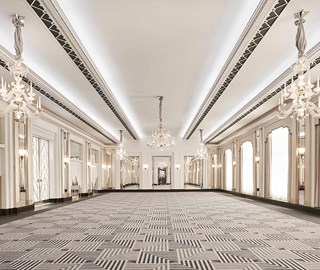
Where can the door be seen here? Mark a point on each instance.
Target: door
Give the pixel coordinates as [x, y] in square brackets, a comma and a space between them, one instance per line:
[40, 169]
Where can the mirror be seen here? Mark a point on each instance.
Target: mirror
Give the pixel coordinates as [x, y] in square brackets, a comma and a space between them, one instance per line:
[161, 172]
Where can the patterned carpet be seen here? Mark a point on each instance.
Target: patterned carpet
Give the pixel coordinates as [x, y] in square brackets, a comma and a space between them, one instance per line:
[163, 230]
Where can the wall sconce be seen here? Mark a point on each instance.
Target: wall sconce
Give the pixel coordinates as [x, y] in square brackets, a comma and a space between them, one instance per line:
[22, 152]
[213, 166]
[145, 166]
[301, 151]
[104, 166]
[177, 166]
[257, 159]
[66, 160]
[109, 166]
[220, 166]
[234, 163]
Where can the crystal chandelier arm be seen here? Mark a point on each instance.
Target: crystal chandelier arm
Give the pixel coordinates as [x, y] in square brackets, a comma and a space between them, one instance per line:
[18, 42]
[313, 109]
[285, 113]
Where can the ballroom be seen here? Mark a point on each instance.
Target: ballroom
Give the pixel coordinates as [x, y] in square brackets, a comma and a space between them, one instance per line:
[160, 135]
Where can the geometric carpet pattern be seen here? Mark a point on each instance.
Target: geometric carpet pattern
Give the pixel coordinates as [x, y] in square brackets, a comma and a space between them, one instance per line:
[160, 231]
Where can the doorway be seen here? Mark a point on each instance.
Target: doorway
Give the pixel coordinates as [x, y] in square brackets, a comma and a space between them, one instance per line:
[161, 170]
[40, 169]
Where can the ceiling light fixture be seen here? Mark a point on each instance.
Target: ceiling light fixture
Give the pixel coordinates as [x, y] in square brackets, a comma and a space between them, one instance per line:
[202, 152]
[121, 151]
[14, 93]
[302, 91]
[161, 138]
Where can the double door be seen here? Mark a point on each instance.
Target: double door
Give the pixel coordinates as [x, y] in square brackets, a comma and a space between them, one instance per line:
[40, 169]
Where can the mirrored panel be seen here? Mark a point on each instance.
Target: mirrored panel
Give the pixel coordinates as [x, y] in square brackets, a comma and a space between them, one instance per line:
[187, 170]
[107, 179]
[215, 170]
[75, 151]
[161, 171]
[195, 172]
[130, 172]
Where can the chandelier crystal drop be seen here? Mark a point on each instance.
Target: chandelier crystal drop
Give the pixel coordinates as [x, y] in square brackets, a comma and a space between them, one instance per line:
[202, 152]
[161, 138]
[14, 93]
[121, 151]
[302, 92]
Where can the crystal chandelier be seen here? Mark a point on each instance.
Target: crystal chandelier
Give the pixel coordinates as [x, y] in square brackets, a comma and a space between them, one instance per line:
[161, 138]
[121, 151]
[302, 91]
[202, 152]
[14, 93]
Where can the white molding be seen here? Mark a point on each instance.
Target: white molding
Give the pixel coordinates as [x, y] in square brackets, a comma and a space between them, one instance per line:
[260, 14]
[48, 114]
[53, 8]
[313, 53]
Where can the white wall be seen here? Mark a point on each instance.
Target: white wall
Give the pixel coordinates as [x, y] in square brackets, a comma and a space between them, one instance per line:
[181, 149]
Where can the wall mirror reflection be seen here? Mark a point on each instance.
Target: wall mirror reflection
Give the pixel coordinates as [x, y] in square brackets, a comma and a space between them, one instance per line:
[187, 170]
[94, 169]
[215, 170]
[23, 160]
[194, 172]
[161, 172]
[76, 167]
[107, 179]
[130, 172]
[301, 161]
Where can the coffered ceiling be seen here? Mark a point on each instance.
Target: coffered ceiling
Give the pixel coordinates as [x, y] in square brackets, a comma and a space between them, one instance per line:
[101, 64]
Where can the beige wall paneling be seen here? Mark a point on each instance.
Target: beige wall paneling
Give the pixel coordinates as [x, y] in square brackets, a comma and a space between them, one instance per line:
[316, 163]
[7, 187]
[310, 159]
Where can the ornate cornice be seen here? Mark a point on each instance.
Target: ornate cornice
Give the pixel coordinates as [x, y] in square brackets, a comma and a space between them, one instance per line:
[81, 63]
[59, 103]
[258, 36]
[261, 102]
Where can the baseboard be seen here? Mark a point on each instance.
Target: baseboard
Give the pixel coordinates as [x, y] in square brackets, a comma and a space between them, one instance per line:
[303, 208]
[61, 200]
[160, 190]
[16, 210]
[86, 194]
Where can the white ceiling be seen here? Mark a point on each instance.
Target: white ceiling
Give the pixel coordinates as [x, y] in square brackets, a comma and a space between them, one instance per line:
[140, 49]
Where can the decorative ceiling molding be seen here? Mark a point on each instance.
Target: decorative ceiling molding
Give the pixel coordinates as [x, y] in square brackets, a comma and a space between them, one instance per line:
[258, 36]
[59, 103]
[268, 97]
[81, 60]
